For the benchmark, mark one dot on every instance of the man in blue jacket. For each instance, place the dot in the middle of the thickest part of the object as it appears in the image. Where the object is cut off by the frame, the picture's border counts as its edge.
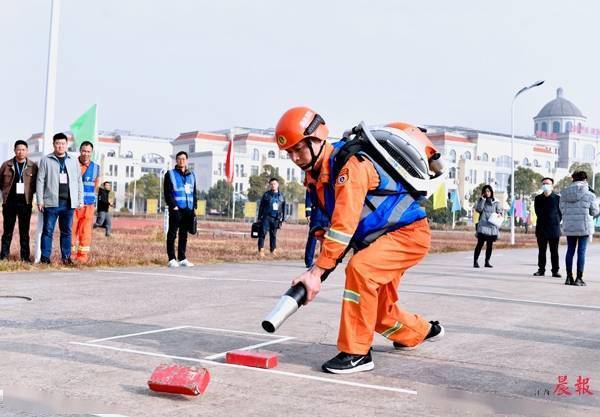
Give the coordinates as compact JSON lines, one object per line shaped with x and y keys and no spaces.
{"x":271,"y":213}
{"x":180,"y":194}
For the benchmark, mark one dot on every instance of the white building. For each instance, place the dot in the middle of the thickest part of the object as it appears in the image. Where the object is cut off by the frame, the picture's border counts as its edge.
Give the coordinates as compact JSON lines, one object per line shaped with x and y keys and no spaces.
{"x":124,"y":157}
{"x":252,"y":149}
{"x":561,"y":138}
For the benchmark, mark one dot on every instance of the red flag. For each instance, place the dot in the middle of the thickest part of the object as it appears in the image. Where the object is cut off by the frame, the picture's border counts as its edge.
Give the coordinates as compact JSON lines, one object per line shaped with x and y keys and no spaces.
{"x":229,"y":162}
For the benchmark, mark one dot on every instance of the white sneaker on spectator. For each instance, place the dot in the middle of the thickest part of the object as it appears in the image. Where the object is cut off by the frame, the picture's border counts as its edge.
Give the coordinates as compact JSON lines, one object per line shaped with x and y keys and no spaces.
{"x":185,"y":262}
{"x":173,"y":263}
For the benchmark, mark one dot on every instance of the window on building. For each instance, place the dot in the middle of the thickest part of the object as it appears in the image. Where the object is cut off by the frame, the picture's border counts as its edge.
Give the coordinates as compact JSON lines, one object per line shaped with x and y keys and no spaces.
{"x":271,"y":154}
{"x":126,"y":187}
{"x":254,"y":170}
{"x":111,"y":153}
{"x":526,"y":162}
{"x":242,"y":170}
{"x":555,"y":127}
{"x":192,"y":147}
{"x":288,"y":175}
{"x":452,"y":173}
{"x":237,"y":170}
{"x":536,"y":163}
{"x":588,"y":153}
{"x":127,"y":171}
{"x":544,"y":127}
{"x":485,"y":157}
{"x":568,"y":127}
{"x":255,"y":154}
{"x":548,"y":165}
{"x":452,"y":155}
{"x":220,"y":168}
{"x":129,"y":154}
{"x":537,"y":127}
{"x":467,"y":155}
{"x":114,"y":187}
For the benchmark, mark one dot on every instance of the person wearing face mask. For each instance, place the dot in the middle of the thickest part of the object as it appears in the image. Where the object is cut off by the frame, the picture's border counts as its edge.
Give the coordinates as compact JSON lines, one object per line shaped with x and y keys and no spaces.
{"x":547,"y":228}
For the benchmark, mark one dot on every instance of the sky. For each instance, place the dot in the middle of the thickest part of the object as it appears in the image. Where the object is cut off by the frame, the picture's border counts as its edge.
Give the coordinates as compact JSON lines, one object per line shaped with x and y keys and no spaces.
{"x":165,"y":67}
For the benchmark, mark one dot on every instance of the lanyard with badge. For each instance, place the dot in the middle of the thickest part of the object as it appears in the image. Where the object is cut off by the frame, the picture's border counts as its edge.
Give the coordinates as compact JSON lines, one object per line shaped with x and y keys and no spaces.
{"x":62,"y":176}
{"x":20,"y":184}
{"x":187,"y":187}
{"x":276,"y":202}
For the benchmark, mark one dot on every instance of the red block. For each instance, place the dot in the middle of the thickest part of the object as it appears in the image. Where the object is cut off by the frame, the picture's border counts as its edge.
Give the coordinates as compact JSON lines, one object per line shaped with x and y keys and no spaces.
{"x":178,"y":379}
{"x":256,"y":359}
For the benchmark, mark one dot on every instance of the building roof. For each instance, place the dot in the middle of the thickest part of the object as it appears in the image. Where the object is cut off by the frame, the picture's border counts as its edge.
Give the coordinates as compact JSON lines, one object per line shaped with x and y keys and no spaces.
{"x":559,"y":107}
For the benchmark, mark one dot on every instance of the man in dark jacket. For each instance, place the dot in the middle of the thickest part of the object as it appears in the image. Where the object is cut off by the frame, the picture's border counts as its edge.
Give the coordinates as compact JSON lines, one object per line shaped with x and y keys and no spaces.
{"x":18,"y":178}
{"x":547,"y":229}
{"x":180,"y":195}
{"x":104,"y":217}
{"x":270,"y":213}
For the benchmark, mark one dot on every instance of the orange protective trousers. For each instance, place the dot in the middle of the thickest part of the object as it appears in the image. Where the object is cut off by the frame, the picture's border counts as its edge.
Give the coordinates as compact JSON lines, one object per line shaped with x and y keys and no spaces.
{"x":83,"y":221}
{"x":371,"y":291}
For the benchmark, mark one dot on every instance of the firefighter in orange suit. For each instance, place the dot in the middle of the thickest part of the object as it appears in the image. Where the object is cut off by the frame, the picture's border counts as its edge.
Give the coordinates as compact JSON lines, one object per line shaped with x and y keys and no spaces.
{"x":83,"y":218}
{"x":378,"y":218}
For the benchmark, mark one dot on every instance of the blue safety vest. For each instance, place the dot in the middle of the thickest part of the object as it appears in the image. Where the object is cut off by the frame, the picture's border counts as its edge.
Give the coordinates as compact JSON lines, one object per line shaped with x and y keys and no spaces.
{"x":387,"y":208}
{"x":179,"y":181}
{"x":89,"y":182}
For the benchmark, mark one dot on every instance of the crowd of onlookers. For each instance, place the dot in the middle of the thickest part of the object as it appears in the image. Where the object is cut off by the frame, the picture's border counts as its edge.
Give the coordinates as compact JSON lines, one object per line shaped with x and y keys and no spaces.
{"x":571,"y":213}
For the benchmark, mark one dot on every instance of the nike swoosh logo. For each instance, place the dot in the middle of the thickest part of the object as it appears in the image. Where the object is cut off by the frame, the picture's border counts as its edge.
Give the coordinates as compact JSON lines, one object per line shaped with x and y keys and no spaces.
{"x":353,"y":363}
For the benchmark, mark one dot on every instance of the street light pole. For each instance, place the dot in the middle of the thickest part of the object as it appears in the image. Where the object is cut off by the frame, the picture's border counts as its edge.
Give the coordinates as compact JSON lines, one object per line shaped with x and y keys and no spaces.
{"x":512,"y":157}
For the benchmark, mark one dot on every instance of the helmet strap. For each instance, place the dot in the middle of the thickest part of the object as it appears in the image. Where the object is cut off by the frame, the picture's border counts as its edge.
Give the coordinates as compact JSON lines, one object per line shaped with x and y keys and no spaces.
{"x":313,"y":157}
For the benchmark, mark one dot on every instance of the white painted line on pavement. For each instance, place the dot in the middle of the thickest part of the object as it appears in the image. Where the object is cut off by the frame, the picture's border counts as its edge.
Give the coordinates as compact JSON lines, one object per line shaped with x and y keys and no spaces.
{"x":271,"y":371}
{"x":110,"y":415}
{"x":514,"y":300}
{"x":258,"y":345}
{"x":214,"y":329}
{"x":138,"y":334}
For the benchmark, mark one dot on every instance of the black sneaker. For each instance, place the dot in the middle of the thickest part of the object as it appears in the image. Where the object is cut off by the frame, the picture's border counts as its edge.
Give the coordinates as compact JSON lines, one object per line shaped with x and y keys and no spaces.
{"x":556,"y":275}
{"x":345,"y":363}
{"x":539,"y":273}
{"x":488,"y":265}
{"x":68,"y":262}
{"x":44,"y":260}
{"x":436,"y":332}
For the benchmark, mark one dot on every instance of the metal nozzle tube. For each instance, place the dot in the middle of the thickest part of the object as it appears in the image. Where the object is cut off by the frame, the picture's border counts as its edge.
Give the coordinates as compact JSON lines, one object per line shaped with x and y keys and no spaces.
{"x":288,"y":304}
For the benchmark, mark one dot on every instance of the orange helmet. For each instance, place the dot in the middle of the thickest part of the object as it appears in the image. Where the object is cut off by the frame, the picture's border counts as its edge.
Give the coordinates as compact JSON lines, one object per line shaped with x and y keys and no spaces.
{"x":297,"y":124}
{"x":417,"y":134}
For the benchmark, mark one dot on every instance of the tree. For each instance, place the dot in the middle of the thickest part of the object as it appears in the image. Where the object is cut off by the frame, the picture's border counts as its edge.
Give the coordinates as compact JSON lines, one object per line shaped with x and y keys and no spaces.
{"x":294,"y":192}
{"x":147,"y":187}
{"x":527,"y":183}
{"x":476,"y":193}
{"x":258,"y":183}
{"x":219,"y":197}
{"x":576,"y":166}
{"x":562,"y":184}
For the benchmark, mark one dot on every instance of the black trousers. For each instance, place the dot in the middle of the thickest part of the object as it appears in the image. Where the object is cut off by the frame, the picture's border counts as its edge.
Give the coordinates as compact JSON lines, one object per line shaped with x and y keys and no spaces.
{"x":270,"y":225}
{"x":489,"y":241}
{"x":12,"y":211}
{"x":543,"y":243}
{"x":179,"y":220}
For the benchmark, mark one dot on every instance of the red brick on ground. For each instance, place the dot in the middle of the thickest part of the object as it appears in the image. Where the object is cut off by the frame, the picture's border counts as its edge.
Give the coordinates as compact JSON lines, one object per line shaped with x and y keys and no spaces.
{"x":256,"y":359}
{"x":179,"y":379}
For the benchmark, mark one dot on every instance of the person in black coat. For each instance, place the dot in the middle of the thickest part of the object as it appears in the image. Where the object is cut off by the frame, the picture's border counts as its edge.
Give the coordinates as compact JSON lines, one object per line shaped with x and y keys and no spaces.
{"x":547,"y":229}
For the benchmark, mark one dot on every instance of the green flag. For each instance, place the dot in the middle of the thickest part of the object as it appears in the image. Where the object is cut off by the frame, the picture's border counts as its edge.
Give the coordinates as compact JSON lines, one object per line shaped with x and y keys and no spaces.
{"x":84,"y":128}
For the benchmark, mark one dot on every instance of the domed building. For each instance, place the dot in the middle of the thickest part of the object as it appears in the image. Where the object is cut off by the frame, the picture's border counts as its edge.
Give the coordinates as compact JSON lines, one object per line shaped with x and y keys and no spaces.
{"x":562,"y":121}
{"x":558,"y":116}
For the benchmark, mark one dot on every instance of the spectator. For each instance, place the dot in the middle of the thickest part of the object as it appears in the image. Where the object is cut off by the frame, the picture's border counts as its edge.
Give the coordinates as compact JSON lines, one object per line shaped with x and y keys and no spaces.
{"x":486,"y":231}
{"x":180,"y":195}
{"x":547,"y":228}
{"x":18,"y":177}
{"x":104,"y":216}
{"x":577,"y":203}
{"x":83,"y":219}
{"x":271,"y":213}
{"x":59,"y":192}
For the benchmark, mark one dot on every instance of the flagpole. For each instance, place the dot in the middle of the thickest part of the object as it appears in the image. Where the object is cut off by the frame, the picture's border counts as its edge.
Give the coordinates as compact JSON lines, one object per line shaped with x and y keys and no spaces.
{"x":232,"y":176}
{"x":453,"y":215}
{"x":49,"y":105}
